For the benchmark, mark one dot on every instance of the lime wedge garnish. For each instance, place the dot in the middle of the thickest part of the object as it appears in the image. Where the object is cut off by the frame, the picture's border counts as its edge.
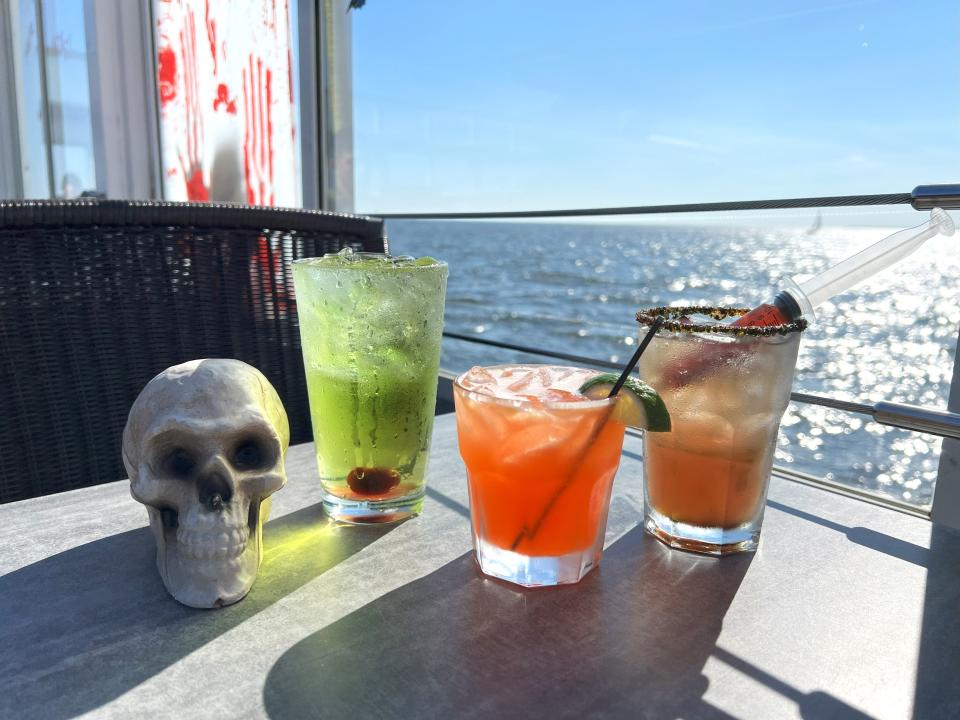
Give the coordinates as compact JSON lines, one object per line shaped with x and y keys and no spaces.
{"x":638,"y":404}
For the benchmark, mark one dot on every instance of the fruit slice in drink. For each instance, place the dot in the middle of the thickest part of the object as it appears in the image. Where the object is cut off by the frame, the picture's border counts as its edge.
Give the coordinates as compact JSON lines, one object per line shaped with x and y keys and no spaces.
{"x":638,"y":405}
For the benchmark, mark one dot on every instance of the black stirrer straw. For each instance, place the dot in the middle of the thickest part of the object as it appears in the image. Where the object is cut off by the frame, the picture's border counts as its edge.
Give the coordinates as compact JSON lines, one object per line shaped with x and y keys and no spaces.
{"x":530,"y":532}
{"x":636,"y":356}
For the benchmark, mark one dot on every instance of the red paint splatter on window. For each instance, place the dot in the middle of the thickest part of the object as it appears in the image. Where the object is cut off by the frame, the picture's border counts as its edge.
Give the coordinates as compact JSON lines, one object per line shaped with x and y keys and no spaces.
{"x":167,"y":74}
{"x":270,"y":130}
{"x":286,"y":11}
{"x":211,"y":34}
{"x":258,"y":132}
{"x":195,"y":87}
{"x":223,"y":98}
{"x":290,"y":73}
{"x":197,"y":190}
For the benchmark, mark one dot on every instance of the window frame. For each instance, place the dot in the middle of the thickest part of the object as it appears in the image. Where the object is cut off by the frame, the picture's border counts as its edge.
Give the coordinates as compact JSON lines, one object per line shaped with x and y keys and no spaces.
{"x":123,"y":98}
{"x":11,"y":180}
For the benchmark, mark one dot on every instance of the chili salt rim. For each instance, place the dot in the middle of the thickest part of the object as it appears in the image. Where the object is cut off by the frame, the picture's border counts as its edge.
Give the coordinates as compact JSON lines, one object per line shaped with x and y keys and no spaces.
{"x":647,"y":317}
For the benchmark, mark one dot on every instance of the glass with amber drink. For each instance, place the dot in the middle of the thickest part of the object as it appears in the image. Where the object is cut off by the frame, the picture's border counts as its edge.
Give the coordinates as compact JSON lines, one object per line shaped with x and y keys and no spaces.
{"x":727,"y":387}
{"x":540,"y":458}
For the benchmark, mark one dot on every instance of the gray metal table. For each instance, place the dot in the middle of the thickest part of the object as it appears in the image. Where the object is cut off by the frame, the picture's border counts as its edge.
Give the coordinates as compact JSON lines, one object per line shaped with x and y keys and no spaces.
{"x":847,"y":610}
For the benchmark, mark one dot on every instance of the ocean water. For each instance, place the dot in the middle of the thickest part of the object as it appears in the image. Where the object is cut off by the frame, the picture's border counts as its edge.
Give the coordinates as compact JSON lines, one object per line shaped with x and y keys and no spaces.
{"x":576,"y":287}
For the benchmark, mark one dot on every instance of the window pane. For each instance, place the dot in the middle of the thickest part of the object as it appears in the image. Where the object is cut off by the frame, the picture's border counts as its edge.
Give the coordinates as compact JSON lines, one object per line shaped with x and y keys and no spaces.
{"x":68,"y":98}
{"x":33,"y":146}
{"x":227,"y":107}
{"x":499,"y":105}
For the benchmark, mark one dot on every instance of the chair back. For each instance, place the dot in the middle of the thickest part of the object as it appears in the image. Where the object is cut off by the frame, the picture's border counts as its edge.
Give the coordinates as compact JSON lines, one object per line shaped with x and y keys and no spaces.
{"x":97,"y":297}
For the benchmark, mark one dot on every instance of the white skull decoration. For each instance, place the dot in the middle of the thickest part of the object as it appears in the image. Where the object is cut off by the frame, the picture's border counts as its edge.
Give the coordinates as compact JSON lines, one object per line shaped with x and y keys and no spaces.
{"x":204,"y":447}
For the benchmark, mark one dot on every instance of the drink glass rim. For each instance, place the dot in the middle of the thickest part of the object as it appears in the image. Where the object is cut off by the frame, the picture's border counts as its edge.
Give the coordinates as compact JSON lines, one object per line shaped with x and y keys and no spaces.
{"x":407,"y":260}
{"x":479,"y":395}
{"x":671,"y":322}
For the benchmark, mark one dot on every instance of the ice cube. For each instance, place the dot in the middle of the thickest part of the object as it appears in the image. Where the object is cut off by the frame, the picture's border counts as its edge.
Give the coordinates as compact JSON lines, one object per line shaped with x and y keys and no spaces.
{"x":523,"y":382}
{"x":564,"y":374}
{"x":537,"y":437}
{"x":753,"y":433}
{"x":482,"y":419}
{"x":546,"y":377}
{"x":559,"y":395}
{"x":396,"y":365}
{"x":478,"y":378}
{"x":725,"y":392}
{"x":745,"y":388}
{"x":701,"y":432}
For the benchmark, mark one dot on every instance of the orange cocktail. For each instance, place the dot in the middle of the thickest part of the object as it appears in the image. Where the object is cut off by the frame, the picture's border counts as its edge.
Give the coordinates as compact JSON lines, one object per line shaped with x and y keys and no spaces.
{"x":540,"y":461}
{"x":727,"y":386}
{"x":691,"y":484}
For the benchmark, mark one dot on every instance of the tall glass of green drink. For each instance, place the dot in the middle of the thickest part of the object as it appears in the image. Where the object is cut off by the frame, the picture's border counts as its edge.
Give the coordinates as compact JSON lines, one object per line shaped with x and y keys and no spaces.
{"x":370,"y":328}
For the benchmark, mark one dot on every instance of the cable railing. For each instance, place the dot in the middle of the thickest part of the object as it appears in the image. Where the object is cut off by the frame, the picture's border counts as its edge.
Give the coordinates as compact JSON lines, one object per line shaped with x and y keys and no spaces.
{"x":944,"y":424}
{"x":922,"y":197}
{"x":897,"y":415}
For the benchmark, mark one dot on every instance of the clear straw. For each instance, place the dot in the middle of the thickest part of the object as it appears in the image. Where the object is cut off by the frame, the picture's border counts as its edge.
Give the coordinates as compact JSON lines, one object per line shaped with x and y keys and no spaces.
{"x":879,"y":256}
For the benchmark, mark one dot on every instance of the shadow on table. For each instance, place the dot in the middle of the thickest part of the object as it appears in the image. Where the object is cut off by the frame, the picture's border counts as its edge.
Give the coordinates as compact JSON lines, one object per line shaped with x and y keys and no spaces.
{"x":866,"y":537}
{"x":937,"y":694}
{"x":630,"y":640}
{"x":83,"y":627}
{"x":816,"y":705}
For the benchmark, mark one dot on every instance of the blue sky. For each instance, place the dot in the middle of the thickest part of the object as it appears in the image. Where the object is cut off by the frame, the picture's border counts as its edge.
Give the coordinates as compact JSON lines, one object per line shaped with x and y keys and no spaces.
{"x":498,"y":105}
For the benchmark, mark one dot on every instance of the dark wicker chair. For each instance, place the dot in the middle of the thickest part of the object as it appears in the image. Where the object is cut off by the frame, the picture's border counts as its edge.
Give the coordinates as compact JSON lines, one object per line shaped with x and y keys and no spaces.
{"x":97,"y":297}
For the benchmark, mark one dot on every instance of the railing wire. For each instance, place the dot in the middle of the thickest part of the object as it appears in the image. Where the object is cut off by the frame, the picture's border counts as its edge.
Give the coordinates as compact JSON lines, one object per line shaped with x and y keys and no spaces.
{"x":905,"y":417}
{"x":846,"y":405}
{"x":778,"y":204}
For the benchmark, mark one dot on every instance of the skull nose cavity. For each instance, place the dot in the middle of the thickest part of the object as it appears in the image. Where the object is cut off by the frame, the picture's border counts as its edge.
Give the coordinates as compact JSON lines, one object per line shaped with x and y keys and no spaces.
{"x":214,"y":490}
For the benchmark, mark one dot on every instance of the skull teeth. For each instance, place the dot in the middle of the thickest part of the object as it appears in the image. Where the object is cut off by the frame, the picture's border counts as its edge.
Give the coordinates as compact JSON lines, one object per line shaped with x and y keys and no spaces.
{"x":223,"y":544}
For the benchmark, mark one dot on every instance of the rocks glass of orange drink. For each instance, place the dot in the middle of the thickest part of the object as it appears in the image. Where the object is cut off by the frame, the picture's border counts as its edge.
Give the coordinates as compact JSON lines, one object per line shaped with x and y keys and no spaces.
{"x":705,"y":482}
{"x":540,"y":460}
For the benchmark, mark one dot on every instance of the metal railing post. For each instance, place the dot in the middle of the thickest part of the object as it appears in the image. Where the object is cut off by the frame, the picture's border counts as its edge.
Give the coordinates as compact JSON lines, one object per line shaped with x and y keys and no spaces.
{"x":946,"y":493}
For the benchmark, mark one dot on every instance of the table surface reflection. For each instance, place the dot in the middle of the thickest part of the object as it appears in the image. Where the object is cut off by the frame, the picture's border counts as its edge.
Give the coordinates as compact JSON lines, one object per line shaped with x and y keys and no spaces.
{"x":847,"y":610}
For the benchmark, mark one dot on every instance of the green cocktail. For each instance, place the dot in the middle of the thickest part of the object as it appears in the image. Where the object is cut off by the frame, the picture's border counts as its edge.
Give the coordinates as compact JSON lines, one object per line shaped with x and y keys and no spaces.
{"x":370,"y":328}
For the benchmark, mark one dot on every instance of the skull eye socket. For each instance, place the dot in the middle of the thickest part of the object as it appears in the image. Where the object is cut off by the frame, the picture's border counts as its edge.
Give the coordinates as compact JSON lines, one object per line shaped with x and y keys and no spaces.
{"x":250,"y":454}
{"x":179,"y":463}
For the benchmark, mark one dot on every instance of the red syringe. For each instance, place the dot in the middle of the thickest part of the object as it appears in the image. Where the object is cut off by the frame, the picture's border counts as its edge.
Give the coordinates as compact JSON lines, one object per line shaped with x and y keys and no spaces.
{"x":799,"y":299}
